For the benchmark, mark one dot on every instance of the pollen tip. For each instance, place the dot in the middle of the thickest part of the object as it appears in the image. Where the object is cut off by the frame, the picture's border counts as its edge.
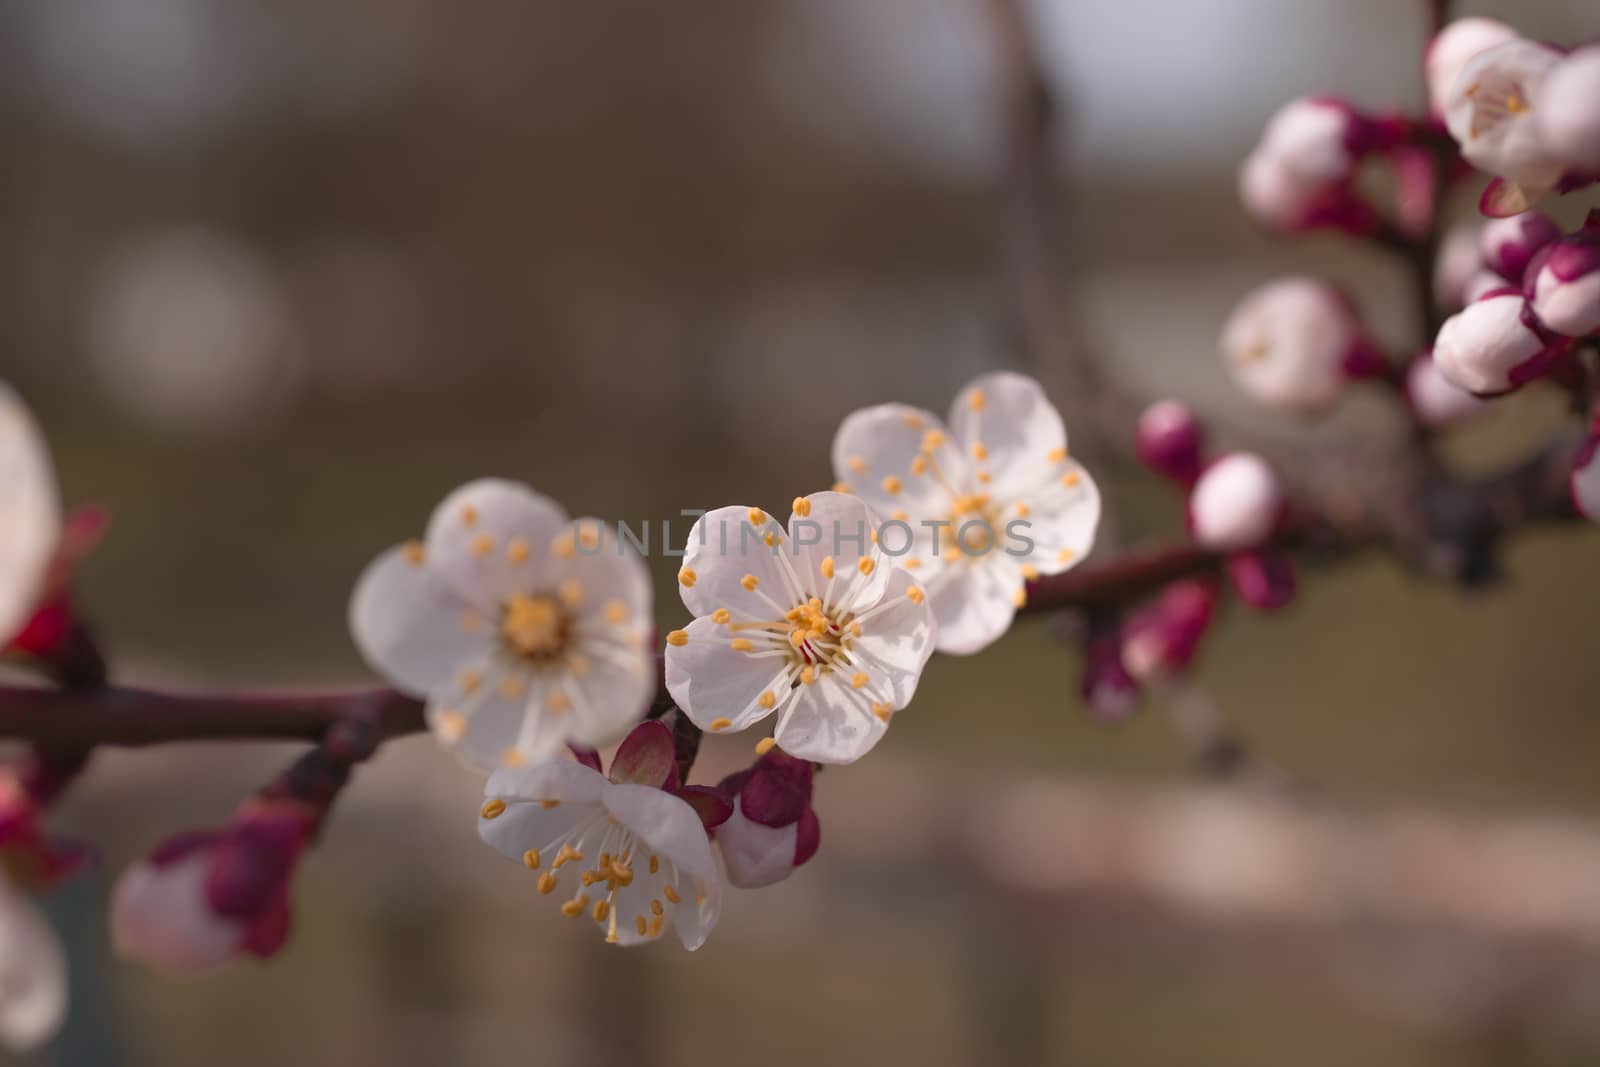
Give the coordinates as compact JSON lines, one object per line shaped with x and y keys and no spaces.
{"x":802,"y":505}
{"x":687,"y":577}
{"x":492,"y":808}
{"x":720,"y":724}
{"x":678,"y":638}
{"x":765,"y":745}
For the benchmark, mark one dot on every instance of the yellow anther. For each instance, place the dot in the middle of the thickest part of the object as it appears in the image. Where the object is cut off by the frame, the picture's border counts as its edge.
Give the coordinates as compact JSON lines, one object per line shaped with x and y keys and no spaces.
{"x":756,"y":516}
{"x":913,"y":420}
{"x":558,"y":702}
{"x":1020,"y":597}
{"x":892,"y":485}
{"x":565,"y":546}
{"x":1030,"y":572}
{"x":589,"y":538}
{"x":671,"y":894}
{"x":482,"y":545}
{"x":720,"y":724}
{"x":656,"y":907}
{"x":802,"y":506}
{"x":827,"y":567}
{"x":980,"y":451}
{"x":571,"y":592}
{"x":741,"y":644}
{"x":899,"y":516}
{"x":770,"y":539}
{"x":589,"y":878}
{"x":512,"y":757}
{"x":492,"y":808}
{"x":576,"y":906}
{"x":622,"y":875}
{"x":919,"y":465}
{"x":678,"y":638}
{"x":841,"y":487}
{"x":616,"y":612}
{"x":602,"y":909}
{"x":414,"y":553}
{"x":750,"y":582}
{"x":808,"y":676}
{"x":452,"y":724}
{"x":547,"y":883}
{"x":933,"y":440}
{"x":469,"y":515}
{"x":1515,"y":104}
{"x":984,"y":477}
{"x":797,"y":637}
{"x":548,"y":804}
{"x":765,"y":745}
{"x":638,"y":921}
{"x":859,"y":679}
{"x":1057,"y":455}
{"x":469,"y":680}
{"x":721,"y":616}
{"x":854,"y":628}
{"x":533,"y":625}
{"x":578,"y":664}
{"x":1065,"y":555}
{"x":951,"y":554}
{"x":567,"y":854}
{"x":687,"y":577}
{"x":530,"y":859}
{"x":517,"y":550}
{"x":857,"y":464}
{"x":882,"y":711}
{"x":912,"y":564}
{"x":916,"y":595}
{"x":976,"y":400}
{"x":1072,"y":479}
{"x":655,"y":863}
{"x":767,"y":700}
{"x":656,"y":926}
{"x":1023,"y":510}
{"x":512,"y":686}
{"x":865,"y":565}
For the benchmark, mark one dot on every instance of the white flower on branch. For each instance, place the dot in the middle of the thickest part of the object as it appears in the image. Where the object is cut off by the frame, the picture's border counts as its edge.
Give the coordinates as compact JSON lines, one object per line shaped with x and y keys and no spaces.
{"x":1489,"y":347}
{"x":1563,"y":284}
{"x":1292,"y":345}
{"x":1450,"y":50}
{"x":814,"y":623}
{"x":1491,"y":110}
{"x":1236,"y":504}
{"x":523,"y":631}
{"x":30,"y":518}
{"x":1569,"y":119}
{"x":971,"y":491}
{"x":625,"y":853}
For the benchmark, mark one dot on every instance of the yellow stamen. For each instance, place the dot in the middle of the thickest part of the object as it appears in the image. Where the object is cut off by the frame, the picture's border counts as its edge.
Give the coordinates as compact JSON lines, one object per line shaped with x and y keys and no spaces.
{"x":1057,"y":455}
{"x":576,"y":906}
{"x":741,"y":644}
{"x":891,"y":485}
{"x":802,"y":506}
{"x":511,"y":686}
{"x":602,"y":908}
{"x":756,"y":516}
{"x":765,"y":745}
{"x":671,"y":894}
{"x":857,"y":464}
{"x":1030,"y":572}
{"x":687,"y":577}
{"x":547,"y":883}
{"x":638,"y":921}
{"x":721,"y":615}
{"x":827,"y":567}
{"x":916,"y":595}
{"x":838,"y":487}
{"x":452,"y":724}
{"x":1065,"y":555}
{"x":530,"y":859}
{"x":571,"y":592}
{"x":558,"y":702}
{"x":976,"y":400}
{"x":865,"y":565}
{"x":1020,"y":597}
{"x":882,"y":711}
{"x":469,"y":515}
{"x":1071,"y":480}
{"x":980,"y":451}
{"x":616,"y":612}
{"x":919,"y":465}
{"x":858,"y":680}
{"x":512,"y":757}
{"x":721,"y":724}
{"x":932,"y":441}
{"x":655,"y":864}
{"x":492,"y":808}
{"x":808,"y":676}
{"x":482,"y":545}
{"x":678,"y":638}
{"x":517,"y":550}
{"x":912,"y":420}
{"x":656,"y":907}
{"x":414,"y":553}
{"x":548,"y":804}
{"x":750,"y":582}
{"x":767,"y":700}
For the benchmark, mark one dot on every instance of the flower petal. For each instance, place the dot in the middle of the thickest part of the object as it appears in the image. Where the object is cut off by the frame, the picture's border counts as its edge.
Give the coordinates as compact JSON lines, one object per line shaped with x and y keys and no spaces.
{"x":1061,"y":522}
{"x":828,"y":722}
{"x":670,"y":827}
{"x":612,"y":593}
{"x":711,"y":681}
{"x":725,"y":547}
{"x":756,"y":856}
{"x":526,"y":822}
{"x":30,"y":516}
{"x":974,"y":602}
{"x":839,"y":526}
{"x":1019,"y":429}
{"x":408,"y":627}
{"x":611,"y":692}
{"x":490,"y":540}
{"x":897,"y":640}
{"x":159,"y":915}
{"x":33,"y":974}
{"x":496,"y":713}
{"x":875,"y":453}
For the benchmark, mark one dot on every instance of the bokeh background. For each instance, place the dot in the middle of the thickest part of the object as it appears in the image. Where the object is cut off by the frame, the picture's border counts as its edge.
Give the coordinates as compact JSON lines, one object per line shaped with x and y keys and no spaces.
{"x":278,"y":275}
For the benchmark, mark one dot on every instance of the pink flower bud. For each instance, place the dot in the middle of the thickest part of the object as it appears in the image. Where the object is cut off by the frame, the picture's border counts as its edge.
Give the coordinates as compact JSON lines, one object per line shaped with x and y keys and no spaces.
{"x":1458,"y":264}
{"x":1264,"y":580}
{"x":1585,"y":483}
{"x":1450,"y":50}
{"x":1290,"y":343}
{"x":1168,"y":439}
{"x":773,"y":828}
{"x":1109,"y":691}
{"x":1434,"y":400}
{"x":1563,"y":284}
{"x":1318,"y":140}
{"x":1490,"y":112}
{"x":1482,"y":284}
{"x":1162,"y":638}
{"x":202,"y":899}
{"x":1489,"y":348}
{"x":1507,"y":245}
{"x":1569,"y":114}
{"x":1279,"y":199}
{"x":1236,"y":504}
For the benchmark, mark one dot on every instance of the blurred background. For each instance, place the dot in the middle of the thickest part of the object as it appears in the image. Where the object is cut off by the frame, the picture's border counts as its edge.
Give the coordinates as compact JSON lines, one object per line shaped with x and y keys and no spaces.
{"x":278,"y":275}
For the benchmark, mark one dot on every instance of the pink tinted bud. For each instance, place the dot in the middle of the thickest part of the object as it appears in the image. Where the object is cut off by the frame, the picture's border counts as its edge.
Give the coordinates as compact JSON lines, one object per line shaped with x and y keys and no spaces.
{"x":1290,"y":343}
{"x":1110,"y":692}
{"x":1563,"y":284}
{"x":1491,"y":110}
{"x":1482,"y":284}
{"x":1449,"y":51}
{"x":1569,"y":114}
{"x":1168,"y":439}
{"x":772,"y":828}
{"x":1236,"y":504}
{"x":1585,"y":483}
{"x":201,"y":900}
{"x":1317,"y":140}
{"x":1507,"y":245}
{"x":1264,"y":580}
{"x":1488,"y":347}
{"x":1458,"y":263}
{"x":1279,"y":199}
{"x":1434,"y":400}
{"x":1163,"y":637}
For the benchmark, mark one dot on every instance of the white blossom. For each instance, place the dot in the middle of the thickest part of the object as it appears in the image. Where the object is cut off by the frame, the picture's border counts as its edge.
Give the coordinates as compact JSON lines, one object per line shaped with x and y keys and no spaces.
{"x":1569,"y":115}
{"x":1457,"y":43}
{"x":1236,"y":503}
{"x":1287,"y":343}
{"x":1490,"y":112}
{"x":30,"y":514}
{"x":1487,"y":347}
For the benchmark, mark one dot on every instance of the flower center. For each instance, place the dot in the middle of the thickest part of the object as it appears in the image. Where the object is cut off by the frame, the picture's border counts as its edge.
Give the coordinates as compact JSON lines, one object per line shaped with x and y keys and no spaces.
{"x":817,"y":635}
{"x":973,"y":518}
{"x":536,"y":627}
